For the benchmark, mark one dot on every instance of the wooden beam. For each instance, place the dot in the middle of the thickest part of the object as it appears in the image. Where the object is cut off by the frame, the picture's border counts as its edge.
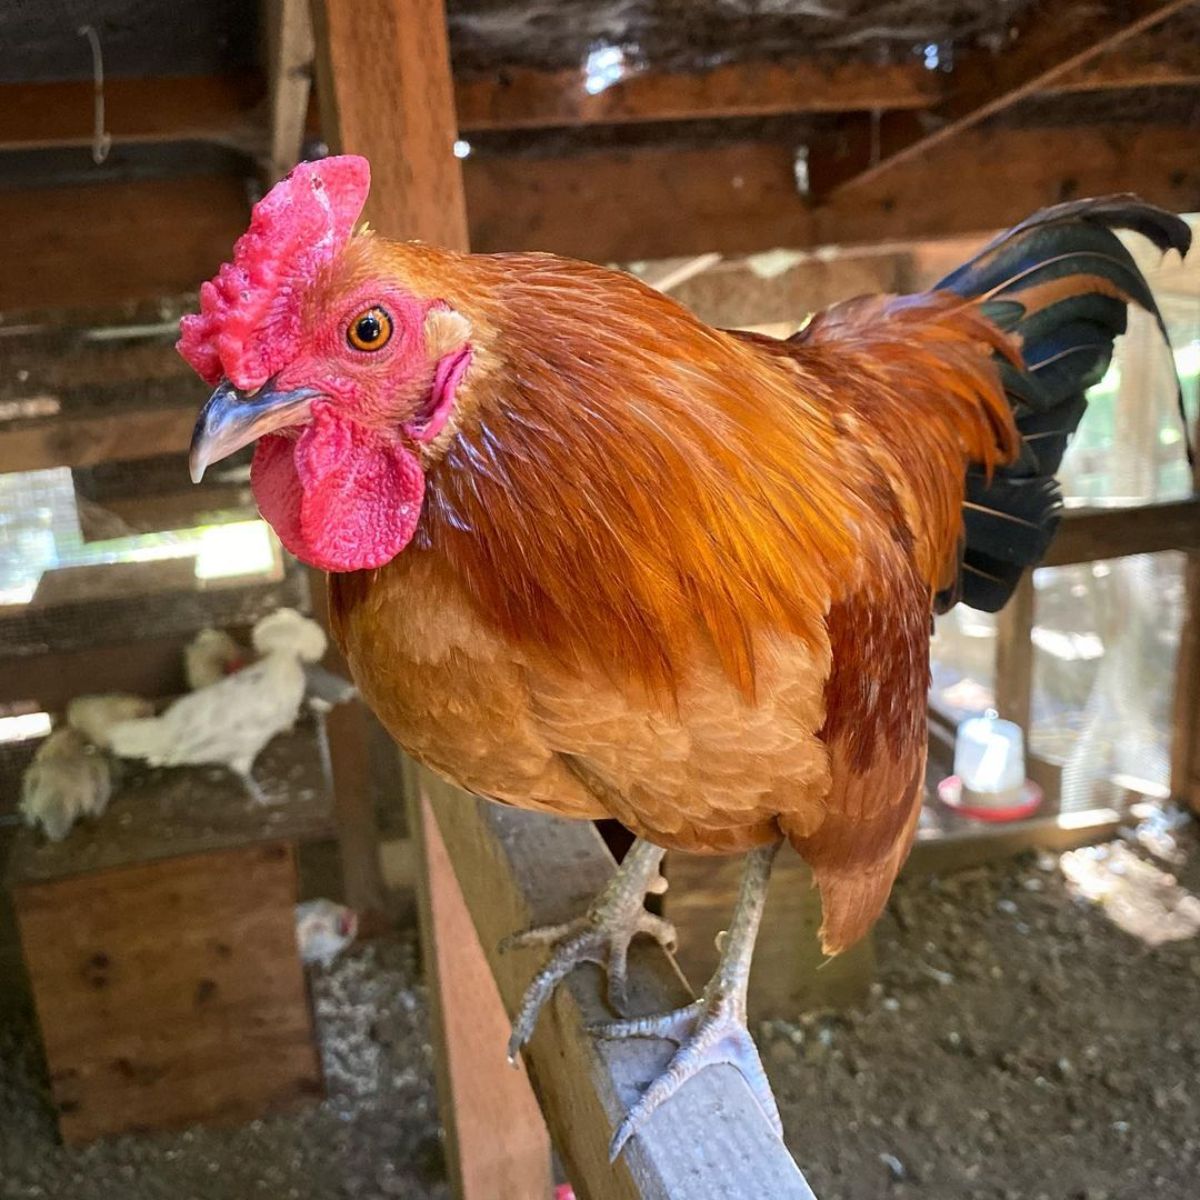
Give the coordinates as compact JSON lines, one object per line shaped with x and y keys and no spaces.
{"x":498,"y":1146}
{"x":208,"y":108}
{"x":79,"y":440}
{"x":290,"y":51}
{"x":735,"y":199}
{"x":710,"y":1140}
{"x":1053,"y":47}
{"x":111,"y":242}
{"x":228,"y":110}
{"x":529,"y":99}
{"x":401,"y":68}
{"x":70,"y":247}
{"x":1086,"y":535}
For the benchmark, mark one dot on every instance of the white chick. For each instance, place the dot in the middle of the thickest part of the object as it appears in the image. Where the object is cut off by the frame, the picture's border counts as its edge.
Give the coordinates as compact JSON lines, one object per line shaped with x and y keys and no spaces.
{"x":67,"y":779}
{"x":323,"y":930}
{"x":94,"y":716}
{"x":229,"y":722}
{"x":210,"y":656}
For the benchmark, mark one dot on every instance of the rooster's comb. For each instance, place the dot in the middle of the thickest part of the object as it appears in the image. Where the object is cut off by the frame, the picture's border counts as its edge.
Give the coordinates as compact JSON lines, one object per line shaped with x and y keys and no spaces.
{"x":248,"y":324}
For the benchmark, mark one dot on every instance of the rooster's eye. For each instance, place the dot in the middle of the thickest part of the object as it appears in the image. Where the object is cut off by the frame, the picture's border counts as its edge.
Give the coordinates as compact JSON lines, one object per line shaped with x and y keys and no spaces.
{"x":370,"y":330}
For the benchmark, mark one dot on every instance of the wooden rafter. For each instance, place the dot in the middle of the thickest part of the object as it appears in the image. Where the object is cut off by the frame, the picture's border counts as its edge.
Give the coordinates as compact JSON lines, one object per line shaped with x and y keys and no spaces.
{"x":72,"y":247}
{"x":1049,"y":51}
{"x":740,"y":199}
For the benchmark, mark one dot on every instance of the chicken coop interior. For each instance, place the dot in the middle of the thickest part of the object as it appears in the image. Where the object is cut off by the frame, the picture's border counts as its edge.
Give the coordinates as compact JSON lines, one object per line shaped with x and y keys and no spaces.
{"x":249,"y":948}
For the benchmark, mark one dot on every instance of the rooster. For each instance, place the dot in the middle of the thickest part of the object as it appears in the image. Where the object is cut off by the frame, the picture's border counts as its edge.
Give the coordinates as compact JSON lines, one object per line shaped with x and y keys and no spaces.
{"x":591,"y":557}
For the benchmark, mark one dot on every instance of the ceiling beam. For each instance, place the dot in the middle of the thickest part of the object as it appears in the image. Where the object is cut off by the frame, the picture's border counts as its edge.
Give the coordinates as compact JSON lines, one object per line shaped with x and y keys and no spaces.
{"x":1055,"y":45}
{"x":225,"y":109}
{"x":529,"y":99}
{"x":105,"y":244}
{"x":740,"y":199}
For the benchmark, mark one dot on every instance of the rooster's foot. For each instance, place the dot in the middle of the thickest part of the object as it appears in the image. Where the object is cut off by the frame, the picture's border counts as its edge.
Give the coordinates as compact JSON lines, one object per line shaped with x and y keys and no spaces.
{"x":602,"y":936}
{"x":710,"y":1030}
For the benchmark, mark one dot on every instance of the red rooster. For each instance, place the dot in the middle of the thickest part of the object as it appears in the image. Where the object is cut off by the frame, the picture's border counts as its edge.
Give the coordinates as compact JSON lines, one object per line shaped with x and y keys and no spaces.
{"x":592,"y":557}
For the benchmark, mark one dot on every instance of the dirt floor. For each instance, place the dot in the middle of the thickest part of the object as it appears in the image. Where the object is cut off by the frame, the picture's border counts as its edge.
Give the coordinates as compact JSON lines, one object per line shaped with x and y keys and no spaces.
{"x":1023,"y":1041}
{"x":1019,"y":1043}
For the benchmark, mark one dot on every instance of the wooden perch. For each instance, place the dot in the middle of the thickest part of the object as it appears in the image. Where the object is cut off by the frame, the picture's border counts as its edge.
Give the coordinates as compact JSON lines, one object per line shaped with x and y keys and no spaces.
{"x":710,"y":1140}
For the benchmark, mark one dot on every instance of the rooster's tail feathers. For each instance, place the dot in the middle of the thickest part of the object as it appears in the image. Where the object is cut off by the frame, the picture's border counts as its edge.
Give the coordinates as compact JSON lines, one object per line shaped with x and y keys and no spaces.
{"x":1061,"y":282}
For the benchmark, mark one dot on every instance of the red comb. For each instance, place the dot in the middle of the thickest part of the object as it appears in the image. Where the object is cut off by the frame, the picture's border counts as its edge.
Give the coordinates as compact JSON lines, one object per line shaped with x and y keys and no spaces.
{"x":248,"y":324}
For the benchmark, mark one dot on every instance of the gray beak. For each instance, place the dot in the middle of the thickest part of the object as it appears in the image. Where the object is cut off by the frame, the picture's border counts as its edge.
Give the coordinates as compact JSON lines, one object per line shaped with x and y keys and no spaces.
{"x":231,"y":419}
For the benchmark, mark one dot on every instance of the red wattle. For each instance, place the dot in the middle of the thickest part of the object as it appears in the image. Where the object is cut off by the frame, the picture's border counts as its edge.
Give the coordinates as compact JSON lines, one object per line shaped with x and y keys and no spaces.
{"x":340,"y":497}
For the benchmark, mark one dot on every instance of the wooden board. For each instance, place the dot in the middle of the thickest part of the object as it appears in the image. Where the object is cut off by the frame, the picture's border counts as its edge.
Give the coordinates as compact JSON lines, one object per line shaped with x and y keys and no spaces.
{"x":80,"y":623}
{"x":171,"y":993}
{"x":743,"y":198}
{"x":516,"y":869}
{"x":790,"y":973}
{"x":110,"y":242}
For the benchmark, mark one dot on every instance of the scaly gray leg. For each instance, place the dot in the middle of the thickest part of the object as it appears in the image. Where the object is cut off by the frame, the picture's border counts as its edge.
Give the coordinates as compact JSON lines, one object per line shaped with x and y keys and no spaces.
{"x":601,"y":936}
{"x":711,"y":1029}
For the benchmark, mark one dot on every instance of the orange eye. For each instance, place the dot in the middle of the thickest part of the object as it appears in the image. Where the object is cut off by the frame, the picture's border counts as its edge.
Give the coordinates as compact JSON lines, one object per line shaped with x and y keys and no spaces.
{"x":370,"y":330}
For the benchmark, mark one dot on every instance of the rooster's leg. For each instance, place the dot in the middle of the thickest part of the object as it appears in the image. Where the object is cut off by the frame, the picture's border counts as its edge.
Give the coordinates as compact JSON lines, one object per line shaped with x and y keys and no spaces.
{"x":601,"y":936}
{"x":712,"y":1029}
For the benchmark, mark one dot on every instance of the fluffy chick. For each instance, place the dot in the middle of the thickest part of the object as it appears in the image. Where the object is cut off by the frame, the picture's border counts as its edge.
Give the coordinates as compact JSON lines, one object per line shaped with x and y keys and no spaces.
{"x":94,"y":716}
{"x":210,"y":656}
{"x":67,"y":780}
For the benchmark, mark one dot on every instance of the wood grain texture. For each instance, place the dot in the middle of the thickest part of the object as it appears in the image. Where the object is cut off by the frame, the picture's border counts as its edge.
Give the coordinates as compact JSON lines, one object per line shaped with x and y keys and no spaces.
{"x":385,"y":92}
{"x":110,"y":242}
{"x":711,"y":1140}
{"x":498,"y":1145}
{"x":1051,"y":47}
{"x":207,"y":108}
{"x":290,"y":51}
{"x":743,"y":198}
{"x":1088,"y":534}
{"x":171,"y":993}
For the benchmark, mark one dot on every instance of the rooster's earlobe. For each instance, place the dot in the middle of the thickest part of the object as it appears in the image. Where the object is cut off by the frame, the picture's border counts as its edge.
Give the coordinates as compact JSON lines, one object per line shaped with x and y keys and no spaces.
{"x":445,"y":331}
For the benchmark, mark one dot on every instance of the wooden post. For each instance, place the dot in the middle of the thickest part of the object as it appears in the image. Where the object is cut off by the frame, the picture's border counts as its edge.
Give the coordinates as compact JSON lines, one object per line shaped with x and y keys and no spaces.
{"x":385,"y":90}
{"x":1014,"y":655}
{"x":1185,"y":725}
{"x":347,"y":728}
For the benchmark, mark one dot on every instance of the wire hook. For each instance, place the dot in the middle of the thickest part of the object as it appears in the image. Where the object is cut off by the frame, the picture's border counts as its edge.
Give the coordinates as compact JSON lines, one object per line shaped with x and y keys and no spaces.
{"x":101,"y":140}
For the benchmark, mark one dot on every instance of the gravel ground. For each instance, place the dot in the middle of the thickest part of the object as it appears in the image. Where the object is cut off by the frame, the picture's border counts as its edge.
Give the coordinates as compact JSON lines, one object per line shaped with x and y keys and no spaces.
{"x":1023,"y":1042}
{"x":1018,"y":1044}
{"x":375,"y":1137}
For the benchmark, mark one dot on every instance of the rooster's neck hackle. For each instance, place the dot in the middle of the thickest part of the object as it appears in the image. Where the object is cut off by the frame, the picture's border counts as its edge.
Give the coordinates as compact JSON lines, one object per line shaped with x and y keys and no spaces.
{"x":620,"y":467}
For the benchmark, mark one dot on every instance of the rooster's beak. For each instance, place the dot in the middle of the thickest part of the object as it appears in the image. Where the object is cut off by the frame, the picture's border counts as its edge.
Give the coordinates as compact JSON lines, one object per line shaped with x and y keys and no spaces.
{"x":232,"y":419}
